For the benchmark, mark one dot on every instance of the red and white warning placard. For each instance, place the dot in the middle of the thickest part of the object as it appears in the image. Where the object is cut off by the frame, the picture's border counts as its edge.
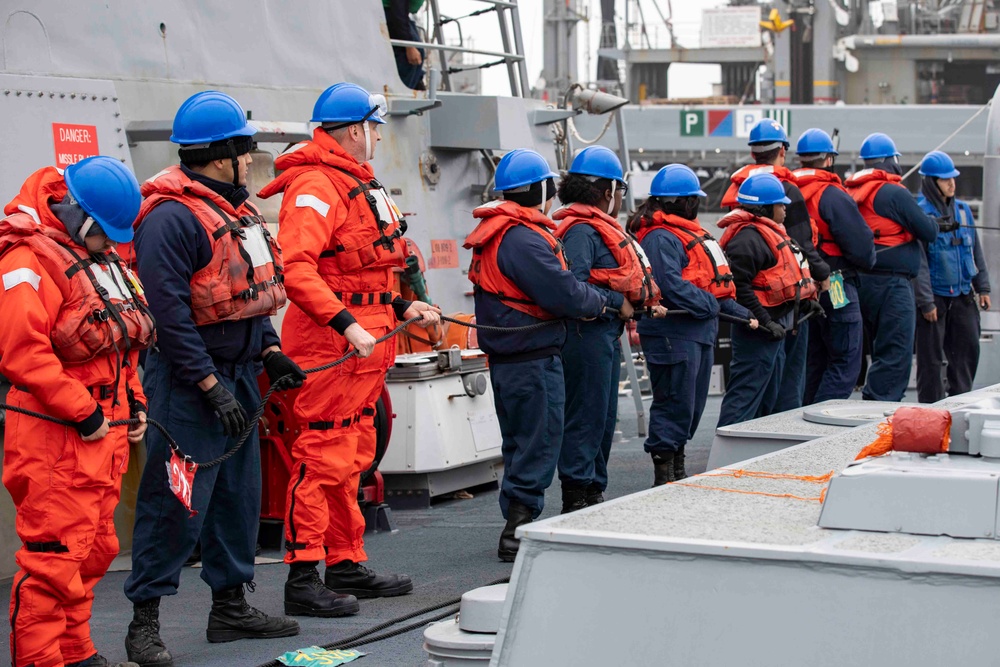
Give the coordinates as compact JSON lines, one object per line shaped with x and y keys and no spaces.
{"x":444,"y":254}
{"x":73,"y":143}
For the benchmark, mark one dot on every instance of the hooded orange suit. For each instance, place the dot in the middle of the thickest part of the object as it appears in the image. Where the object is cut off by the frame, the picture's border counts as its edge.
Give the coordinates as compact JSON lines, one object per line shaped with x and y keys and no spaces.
{"x":341,"y":240}
{"x":65,"y":490}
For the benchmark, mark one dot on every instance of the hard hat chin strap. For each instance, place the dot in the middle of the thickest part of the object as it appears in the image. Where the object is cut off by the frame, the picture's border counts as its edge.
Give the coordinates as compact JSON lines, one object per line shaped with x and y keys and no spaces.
{"x":544,"y":192}
{"x":611,"y":204}
{"x":234,"y":157}
{"x":368,"y":141}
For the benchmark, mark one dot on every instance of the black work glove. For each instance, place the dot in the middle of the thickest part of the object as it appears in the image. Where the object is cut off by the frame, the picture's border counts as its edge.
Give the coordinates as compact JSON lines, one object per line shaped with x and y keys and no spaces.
{"x":278,"y":365}
{"x":947,"y":224}
{"x":227,"y":409}
{"x":775,"y":330}
{"x":810,"y":307}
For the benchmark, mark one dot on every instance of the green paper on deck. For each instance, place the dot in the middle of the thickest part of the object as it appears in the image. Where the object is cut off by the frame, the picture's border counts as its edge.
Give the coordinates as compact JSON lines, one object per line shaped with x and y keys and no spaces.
{"x":838,"y":299}
{"x":314,"y":655}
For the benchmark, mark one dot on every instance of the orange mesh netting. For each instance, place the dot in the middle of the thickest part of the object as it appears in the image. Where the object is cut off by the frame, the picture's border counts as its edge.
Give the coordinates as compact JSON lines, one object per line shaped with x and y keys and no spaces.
{"x":911,"y":429}
{"x":755,"y":474}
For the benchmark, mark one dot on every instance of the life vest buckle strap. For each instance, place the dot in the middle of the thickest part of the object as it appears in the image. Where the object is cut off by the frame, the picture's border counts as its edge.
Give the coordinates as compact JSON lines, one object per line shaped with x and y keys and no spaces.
{"x":365,"y":298}
{"x":330,"y":425}
{"x":46,"y":547}
{"x":332,"y":252}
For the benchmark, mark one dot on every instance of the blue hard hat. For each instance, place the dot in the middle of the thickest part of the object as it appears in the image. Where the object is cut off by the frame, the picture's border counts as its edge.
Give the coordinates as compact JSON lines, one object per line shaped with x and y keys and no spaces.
{"x":521,"y":167}
{"x":675,"y":180}
{"x":349,"y":103}
{"x":210,"y":116}
{"x":878,"y":145}
{"x":768,"y":131}
{"x":598,"y":161}
{"x":937,"y":164}
{"x":108,"y":192}
{"x":761,"y":190}
{"x":813,"y":141}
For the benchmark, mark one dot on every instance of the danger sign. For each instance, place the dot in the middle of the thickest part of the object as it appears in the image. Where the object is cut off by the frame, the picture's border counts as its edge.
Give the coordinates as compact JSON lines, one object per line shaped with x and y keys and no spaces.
{"x":73,"y":143}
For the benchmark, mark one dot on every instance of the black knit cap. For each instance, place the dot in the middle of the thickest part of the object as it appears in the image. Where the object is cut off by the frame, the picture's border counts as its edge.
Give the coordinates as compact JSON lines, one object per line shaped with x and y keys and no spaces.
{"x":217,"y":150}
{"x":532,"y":194}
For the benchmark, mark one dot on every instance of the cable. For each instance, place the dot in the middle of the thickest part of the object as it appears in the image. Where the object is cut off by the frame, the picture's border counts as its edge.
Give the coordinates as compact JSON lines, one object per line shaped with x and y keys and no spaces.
{"x":951,"y":136}
{"x":365,"y":637}
{"x":250,"y":426}
{"x":263,"y":401}
{"x":588,"y":142}
{"x":487,"y":327}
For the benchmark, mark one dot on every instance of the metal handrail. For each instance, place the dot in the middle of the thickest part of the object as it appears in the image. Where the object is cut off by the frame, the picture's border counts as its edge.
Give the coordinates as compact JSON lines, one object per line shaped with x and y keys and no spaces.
{"x":499,"y":3}
{"x":461,"y":49}
{"x":510,"y":34}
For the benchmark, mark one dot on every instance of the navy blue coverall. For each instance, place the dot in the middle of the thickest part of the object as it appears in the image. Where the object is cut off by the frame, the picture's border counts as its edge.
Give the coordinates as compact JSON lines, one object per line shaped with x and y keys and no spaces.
{"x":836,"y":341}
{"x":791,"y":388}
{"x":591,"y":367}
{"x":679,"y":350}
{"x":526,"y":368}
{"x":171,"y":245}
{"x":758,"y":363}
{"x":887,"y":303}
{"x":953,"y":271}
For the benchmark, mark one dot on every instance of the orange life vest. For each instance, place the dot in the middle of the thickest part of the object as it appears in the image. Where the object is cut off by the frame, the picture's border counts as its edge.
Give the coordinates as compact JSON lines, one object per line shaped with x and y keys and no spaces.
{"x":377,"y":240}
{"x":244,"y":278}
{"x":863,"y":186}
{"x":813,"y":183}
{"x":707,"y":266}
{"x":743,"y":173}
{"x":103,"y":309}
{"x":789,"y":279}
{"x":496,"y":219}
{"x":367,"y":246}
{"x":633,"y":277}
{"x":783,"y":174}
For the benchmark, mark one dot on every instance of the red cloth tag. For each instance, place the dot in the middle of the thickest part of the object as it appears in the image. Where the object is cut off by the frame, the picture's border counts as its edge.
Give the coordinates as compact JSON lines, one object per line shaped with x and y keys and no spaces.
{"x":180,"y":473}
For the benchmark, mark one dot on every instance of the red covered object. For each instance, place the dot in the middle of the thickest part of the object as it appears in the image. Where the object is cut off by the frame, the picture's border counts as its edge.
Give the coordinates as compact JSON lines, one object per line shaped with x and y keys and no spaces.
{"x":278,"y":429}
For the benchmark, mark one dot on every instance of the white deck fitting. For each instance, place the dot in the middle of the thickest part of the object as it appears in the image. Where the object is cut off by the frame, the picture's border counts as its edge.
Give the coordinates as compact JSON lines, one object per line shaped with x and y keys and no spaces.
{"x":692,"y":576}
{"x":749,"y":439}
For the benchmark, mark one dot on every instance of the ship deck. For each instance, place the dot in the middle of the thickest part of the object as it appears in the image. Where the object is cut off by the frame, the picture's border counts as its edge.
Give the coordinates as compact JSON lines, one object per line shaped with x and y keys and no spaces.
{"x":730,"y":567}
{"x":447,"y":549}
{"x":769,"y":507}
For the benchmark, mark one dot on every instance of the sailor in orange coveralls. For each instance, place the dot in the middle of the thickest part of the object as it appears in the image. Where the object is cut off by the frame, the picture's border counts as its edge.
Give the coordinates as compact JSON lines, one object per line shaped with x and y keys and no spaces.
{"x":71,"y":353}
{"x":341,"y":235}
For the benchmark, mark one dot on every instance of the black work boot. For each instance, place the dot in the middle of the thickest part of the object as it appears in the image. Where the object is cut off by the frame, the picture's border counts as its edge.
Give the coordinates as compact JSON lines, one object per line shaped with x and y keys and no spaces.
{"x":357,"y":580}
{"x":232,"y":618}
{"x":663,"y":469}
{"x":307,"y":595}
{"x":143,"y":643}
{"x":517,"y":515}
{"x":98,"y":660}
{"x":679,"y":471}
{"x":595,"y":495}
{"x":573,"y":499}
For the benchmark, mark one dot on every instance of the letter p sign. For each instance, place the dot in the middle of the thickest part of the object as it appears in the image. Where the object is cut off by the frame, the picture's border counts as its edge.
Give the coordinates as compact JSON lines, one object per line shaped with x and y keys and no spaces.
{"x":692,"y":123}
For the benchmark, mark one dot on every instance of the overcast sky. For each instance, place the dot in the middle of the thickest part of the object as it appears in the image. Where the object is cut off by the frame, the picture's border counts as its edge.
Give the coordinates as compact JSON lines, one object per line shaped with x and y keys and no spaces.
{"x":685,"y":80}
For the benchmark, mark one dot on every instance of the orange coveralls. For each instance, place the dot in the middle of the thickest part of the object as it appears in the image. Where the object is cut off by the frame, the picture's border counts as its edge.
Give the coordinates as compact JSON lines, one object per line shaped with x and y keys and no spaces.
{"x":332,"y":265}
{"x":65,"y":490}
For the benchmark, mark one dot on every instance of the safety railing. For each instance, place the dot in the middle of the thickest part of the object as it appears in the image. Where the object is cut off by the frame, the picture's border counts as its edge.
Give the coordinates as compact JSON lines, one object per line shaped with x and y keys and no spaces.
{"x":512,"y":56}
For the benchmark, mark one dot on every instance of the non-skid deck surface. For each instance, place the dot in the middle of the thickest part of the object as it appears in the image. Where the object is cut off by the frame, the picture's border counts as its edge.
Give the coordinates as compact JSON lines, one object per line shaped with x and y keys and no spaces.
{"x":772,"y":512}
{"x":447,"y":550}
